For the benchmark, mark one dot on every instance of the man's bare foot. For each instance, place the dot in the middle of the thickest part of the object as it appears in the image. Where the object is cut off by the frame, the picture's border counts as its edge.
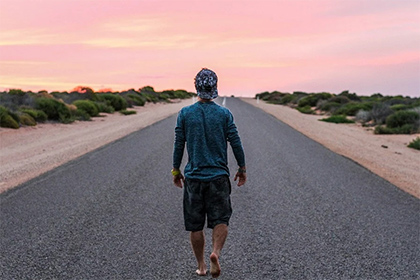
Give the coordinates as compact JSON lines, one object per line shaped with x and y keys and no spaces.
{"x":214,"y":265}
{"x":201,"y":272}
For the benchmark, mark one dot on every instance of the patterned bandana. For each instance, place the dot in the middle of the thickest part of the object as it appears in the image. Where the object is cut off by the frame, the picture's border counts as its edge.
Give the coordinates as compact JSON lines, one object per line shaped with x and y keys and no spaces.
{"x":206,"y":84}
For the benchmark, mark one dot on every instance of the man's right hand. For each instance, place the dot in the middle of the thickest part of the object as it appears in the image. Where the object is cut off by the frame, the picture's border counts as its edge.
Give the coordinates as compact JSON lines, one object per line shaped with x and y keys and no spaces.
{"x":241,"y":176}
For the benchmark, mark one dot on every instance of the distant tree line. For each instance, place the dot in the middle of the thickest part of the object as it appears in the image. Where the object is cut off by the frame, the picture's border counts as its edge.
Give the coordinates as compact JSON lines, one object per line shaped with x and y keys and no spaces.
{"x":26,"y":108}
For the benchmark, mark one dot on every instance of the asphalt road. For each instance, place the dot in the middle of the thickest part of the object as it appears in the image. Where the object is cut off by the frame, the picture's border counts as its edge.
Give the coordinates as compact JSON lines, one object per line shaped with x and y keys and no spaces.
{"x":305,"y":213}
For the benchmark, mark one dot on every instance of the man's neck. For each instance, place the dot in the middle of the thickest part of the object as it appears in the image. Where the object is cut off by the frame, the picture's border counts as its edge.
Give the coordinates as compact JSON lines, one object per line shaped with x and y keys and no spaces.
{"x":202,"y":100}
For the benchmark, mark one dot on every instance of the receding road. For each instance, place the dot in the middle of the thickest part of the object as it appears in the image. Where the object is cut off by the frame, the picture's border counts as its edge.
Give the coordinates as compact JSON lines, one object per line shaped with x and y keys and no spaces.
{"x":305,"y":213}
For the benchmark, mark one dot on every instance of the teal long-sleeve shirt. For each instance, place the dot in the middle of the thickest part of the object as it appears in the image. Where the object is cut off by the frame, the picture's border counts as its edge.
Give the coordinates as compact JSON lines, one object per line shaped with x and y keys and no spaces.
{"x":206,"y":127}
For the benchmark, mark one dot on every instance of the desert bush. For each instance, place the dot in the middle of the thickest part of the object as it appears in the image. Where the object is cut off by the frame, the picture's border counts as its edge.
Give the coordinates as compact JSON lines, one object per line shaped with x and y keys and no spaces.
{"x":297,"y":96}
{"x":81,"y":115}
{"x":351,"y":96}
{"x":337,"y":119}
{"x":363,"y":116}
{"x":405,"y":129}
{"x":26,"y":119}
{"x":312,"y":99}
{"x":395,"y":100}
{"x":177,"y":94}
{"x":69,"y":98}
{"x":150,"y":97}
{"x":17,"y":98}
{"x":88,"y":106}
{"x":37,"y":115}
{"x":114,"y":100}
{"x":399,"y":107}
{"x":262,"y":95}
{"x":137,"y":99}
{"x":339,"y":99}
{"x":401,"y":118}
{"x":351,"y":108}
{"x":183,"y":94}
{"x":404,"y":122}
{"x":54,"y":109}
{"x":128,"y":112}
{"x":415,"y":144}
{"x":330,"y":106}
{"x":305,"y":110}
{"x":104,"y":107}
{"x":380,"y":112}
{"x":163,"y":97}
{"x":6,"y":120}
{"x":288,"y":98}
{"x":147,"y":89}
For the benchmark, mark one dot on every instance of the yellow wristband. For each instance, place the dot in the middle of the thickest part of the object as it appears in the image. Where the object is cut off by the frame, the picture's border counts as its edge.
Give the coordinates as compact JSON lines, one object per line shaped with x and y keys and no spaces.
{"x":175,"y":172}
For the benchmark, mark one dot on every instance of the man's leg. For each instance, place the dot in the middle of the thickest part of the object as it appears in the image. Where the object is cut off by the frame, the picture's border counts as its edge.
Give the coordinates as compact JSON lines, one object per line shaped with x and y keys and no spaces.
{"x":197,"y":243}
{"x":220,"y":233}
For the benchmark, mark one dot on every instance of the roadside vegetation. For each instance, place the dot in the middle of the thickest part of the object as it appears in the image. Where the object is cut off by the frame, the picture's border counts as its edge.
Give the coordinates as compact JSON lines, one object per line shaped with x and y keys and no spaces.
{"x":415,"y":144}
{"x":26,"y":108}
{"x":385,"y":114}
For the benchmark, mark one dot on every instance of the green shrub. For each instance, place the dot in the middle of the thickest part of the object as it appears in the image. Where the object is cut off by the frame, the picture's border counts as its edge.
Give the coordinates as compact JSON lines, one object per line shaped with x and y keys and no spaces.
{"x":305,"y":110}
{"x":401,"y":118}
{"x":54,"y":109}
{"x":351,"y":96}
{"x":179,"y":94}
{"x":415,"y":144}
{"x":114,"y":100}
{"x":14,"y":116}
{"x":137,"y":99}
{"x":399,"y":107}
{"x":262,"y":95}
{"x":405,"y":129}
{"x":88,"y":106}
{"x":104,"y":107}
{"x":312,"y":99}
{"x":128,"y":112}
{"x":37,"y":115}
{"x":26,"y":119}
{"x":150,"y":97}
{"x":163,"y":97}
{"x":81,"y":115}
{"x":6,"y":120}
{"x":337,"y":119}
{"x":297,"y":96}
{"x":339,"y":99}
{"x":395,"y":100}
{"x":286,"y":99}
{"x":329,"y":106}
{"x":351,"y":109}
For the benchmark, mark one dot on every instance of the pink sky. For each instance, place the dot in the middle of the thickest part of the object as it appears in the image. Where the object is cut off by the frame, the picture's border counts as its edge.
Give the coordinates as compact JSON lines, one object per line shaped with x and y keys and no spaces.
{"x":365,"y":46}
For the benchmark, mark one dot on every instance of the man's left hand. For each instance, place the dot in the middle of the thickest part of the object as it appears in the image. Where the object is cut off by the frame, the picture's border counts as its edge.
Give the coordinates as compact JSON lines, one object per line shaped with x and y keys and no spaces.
{"x":179,"y":180}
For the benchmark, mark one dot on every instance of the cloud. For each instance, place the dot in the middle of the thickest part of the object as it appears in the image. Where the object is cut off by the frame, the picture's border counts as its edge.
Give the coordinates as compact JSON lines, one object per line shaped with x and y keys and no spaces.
{"x":280,"y":44}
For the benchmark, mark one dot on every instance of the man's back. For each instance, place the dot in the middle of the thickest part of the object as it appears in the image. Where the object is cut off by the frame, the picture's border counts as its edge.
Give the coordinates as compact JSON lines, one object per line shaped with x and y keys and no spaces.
{"x":207,"y":127}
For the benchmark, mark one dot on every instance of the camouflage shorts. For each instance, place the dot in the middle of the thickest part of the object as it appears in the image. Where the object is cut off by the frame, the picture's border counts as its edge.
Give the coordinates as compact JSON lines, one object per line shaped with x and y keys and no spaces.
{"x":206,"y":198}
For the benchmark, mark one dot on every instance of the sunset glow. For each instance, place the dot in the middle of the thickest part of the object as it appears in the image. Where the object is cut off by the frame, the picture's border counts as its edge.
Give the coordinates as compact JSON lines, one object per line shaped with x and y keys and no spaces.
{"x":287,"y":45}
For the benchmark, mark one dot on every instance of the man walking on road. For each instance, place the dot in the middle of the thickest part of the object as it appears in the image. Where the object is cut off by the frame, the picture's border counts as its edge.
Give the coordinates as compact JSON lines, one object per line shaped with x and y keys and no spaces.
{"x":207,"y":127}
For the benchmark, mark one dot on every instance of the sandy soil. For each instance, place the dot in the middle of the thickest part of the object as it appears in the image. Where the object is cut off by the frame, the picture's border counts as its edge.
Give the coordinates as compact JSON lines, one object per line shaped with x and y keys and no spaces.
{"x":385,"y":155}
{"x":30,"y":151}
